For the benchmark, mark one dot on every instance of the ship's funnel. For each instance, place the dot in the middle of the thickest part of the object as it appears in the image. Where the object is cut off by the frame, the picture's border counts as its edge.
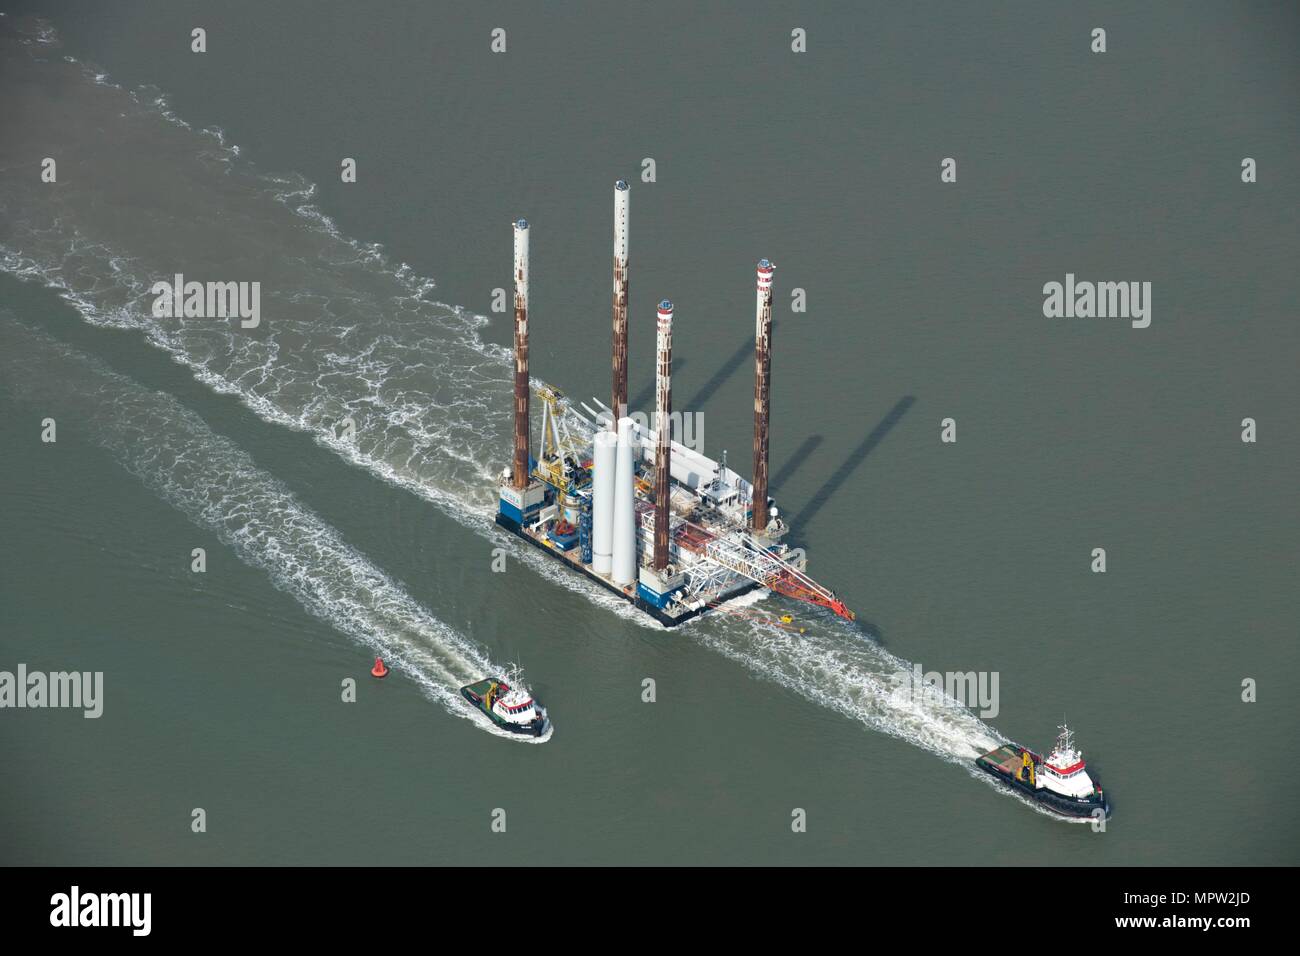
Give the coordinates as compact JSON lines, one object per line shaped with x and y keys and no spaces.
{"x":762,"y":392}
{"x":663,"y":428}
{"x":624,"y":571}
{"x":619,"y":360}
{"x":602,"y":502}
{"x":519,"y":471}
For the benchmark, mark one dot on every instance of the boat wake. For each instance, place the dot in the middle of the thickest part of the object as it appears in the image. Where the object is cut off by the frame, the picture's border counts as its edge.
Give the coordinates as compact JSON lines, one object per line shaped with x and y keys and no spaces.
{"x":217,"y":485}
{"x":351,"y":343}
{"x":836,"y":668}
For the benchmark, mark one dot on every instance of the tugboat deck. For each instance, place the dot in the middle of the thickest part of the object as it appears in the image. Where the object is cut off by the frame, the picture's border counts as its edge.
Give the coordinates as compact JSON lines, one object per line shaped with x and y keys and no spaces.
{"x":481,"y":687}
{"x":1006,"y":759}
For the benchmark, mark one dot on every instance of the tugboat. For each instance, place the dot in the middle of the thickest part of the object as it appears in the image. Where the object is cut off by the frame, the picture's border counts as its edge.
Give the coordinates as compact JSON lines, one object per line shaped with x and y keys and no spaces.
{"x":1060,"y":781}
{"x":510,"y":709}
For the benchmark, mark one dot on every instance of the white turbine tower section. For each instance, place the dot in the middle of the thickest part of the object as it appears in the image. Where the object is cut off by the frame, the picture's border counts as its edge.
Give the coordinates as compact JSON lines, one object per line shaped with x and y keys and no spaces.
{"x":624,"y":572}
{"x":602,"y":503}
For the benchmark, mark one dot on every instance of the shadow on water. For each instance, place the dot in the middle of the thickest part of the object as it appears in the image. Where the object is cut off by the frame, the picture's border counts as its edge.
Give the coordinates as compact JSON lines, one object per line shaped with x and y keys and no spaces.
{"x":708,"y":389}
{"x":728,"y":369}
{"x":642,"y":401}
{"x":802,"y":454}
{"x":850,"y":464}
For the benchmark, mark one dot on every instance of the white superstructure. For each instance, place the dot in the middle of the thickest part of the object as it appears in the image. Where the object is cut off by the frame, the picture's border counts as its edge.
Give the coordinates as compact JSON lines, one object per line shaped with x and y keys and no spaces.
{"x":1063,"y":771}
{"x":516,"y":706}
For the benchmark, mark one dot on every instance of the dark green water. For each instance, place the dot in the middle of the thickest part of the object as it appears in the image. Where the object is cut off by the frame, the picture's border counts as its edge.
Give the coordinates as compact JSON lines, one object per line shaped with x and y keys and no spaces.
{"x":222,"y":690}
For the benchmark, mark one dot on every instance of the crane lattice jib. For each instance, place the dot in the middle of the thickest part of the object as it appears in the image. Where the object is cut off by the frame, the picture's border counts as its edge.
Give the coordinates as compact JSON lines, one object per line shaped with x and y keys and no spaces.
{"x":746,"y":558}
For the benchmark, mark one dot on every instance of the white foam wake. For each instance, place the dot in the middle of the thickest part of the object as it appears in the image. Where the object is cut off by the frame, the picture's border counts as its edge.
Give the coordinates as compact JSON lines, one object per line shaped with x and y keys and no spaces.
{"x":219,"y":487}
{"x":856,"y":677}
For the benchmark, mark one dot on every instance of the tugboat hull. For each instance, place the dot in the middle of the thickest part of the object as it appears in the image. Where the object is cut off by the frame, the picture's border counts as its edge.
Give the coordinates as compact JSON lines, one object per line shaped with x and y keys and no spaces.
{"x":1003,"y":763}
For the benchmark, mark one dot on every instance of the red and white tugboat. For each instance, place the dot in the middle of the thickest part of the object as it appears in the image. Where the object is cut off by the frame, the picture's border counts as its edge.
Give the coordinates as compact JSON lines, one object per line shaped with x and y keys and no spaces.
{"x":1060,"y":781}
{"x":509,"y":708}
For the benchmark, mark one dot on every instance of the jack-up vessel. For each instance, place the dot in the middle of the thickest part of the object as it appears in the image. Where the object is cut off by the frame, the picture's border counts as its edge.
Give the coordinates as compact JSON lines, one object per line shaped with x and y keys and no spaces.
{"x":613,"y":496}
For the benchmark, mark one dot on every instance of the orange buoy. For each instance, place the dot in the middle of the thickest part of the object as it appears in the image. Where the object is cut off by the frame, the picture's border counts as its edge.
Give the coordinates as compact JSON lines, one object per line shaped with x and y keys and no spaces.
{"x":379,"y":670}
